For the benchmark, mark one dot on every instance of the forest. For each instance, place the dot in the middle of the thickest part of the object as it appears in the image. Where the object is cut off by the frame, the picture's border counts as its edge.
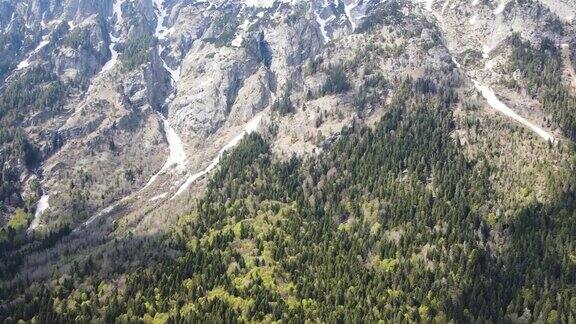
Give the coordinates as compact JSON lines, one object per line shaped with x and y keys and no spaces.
{"x":386,"y":224}
{"x":541,"y":67}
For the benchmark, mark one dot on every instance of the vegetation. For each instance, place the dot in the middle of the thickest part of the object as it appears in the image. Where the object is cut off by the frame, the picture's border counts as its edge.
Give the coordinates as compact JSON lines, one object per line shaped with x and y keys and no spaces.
{"x":36,"y":90}
{"x":137,"y":51}
{"x":11,"y":42}
{"x":541,"y":68}
{"x":336,"y":80}
{"x":283,"y":105}
{"x":389,"y":223}
{"x":14,"y":149}
{"x":227,"y":25}
{"x":384,"y":225}
{"x":385,"y":14}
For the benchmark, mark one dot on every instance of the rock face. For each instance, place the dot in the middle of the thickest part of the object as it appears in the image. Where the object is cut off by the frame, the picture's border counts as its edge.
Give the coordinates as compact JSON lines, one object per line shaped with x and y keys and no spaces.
{"x":129,"y":74}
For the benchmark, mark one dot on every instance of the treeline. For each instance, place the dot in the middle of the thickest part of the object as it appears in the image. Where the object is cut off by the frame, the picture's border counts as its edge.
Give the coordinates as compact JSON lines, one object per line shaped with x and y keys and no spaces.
{"x":36,"y":90}
{"x":384,"y":225}
{"x":542,"y":69}
{"x":16,"y":153}
{"x":137,"y":51}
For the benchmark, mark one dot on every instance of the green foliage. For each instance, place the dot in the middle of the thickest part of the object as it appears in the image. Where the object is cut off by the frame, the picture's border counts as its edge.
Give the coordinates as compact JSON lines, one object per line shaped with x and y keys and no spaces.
{"x":385,"y":13}
{"x":78,"y":38}
{"x":542,"y":69}
{"x":382,"y":225}
{"x":137,"y":51}
{"x":11,"y":42}
{"x":336,"y":81}
{"x":19,"y":221}
{"x":36,"y":90}
{"x":15,"y":149}
{"x":283,"y":105}
{"x":227,"y":25}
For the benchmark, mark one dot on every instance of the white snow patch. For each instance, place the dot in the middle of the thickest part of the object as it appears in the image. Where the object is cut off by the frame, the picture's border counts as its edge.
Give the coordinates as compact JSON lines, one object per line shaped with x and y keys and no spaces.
{"x":161,"y":31}
{"x":455,"y":62}
{"x":260,"y":3}
{"x":268,"y":3}
{"x":495,"y":103}
{"x":90,"y":220}
{"x":323,"y":22}
{"x":41,"y":207}
{"x":348,"y":11}
{"x":174,"y":73}
{"x":237,"y":41}
{"x":251,"y":127}
{"x":26,"y":63}
{"x":500,"y":8}
{"x":161,"y":196}
{"x":103,"y":212}
{"x":486,"y":50}
{"x":114,"y":58}
{"x":116,"y":12}
{"x":177,"y":156}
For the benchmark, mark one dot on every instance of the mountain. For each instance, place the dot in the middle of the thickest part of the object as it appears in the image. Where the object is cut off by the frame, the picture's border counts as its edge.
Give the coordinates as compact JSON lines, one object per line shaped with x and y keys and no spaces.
{"x":287,"y":160}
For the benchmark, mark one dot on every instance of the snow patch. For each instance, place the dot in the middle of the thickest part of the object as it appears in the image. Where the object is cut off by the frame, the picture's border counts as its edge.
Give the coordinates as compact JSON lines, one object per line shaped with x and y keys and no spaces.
{"x":161,"y":33}
{"x":455,"y":62}
{"x":486,"y":50}
{"x":114,"y":58}
{"x":116,"y":12}
{"x":495,"y":103}
{"x":41,"y":207}
{"x":174,"y":73}
{"x":323,"y":22}
{"x":177,"y":156}
{"x":161,"y":196}
{"x":237,"y":42}
{"x":260,"y":3}
{"x":90,"y":220}
{"x":267,"y":3}
{"x":251,"y":127}
{"x":348,"y":11}
{"x":500,"y":8}
{"x":26,"y":63}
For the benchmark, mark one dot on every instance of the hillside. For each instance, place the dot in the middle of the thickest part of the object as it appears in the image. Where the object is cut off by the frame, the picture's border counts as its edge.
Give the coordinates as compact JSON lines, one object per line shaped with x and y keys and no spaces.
{"x":259,"y":161}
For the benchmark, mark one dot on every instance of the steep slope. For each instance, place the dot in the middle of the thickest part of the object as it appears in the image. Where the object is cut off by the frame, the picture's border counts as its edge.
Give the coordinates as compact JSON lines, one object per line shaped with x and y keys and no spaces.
{"x":118,"y":117}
